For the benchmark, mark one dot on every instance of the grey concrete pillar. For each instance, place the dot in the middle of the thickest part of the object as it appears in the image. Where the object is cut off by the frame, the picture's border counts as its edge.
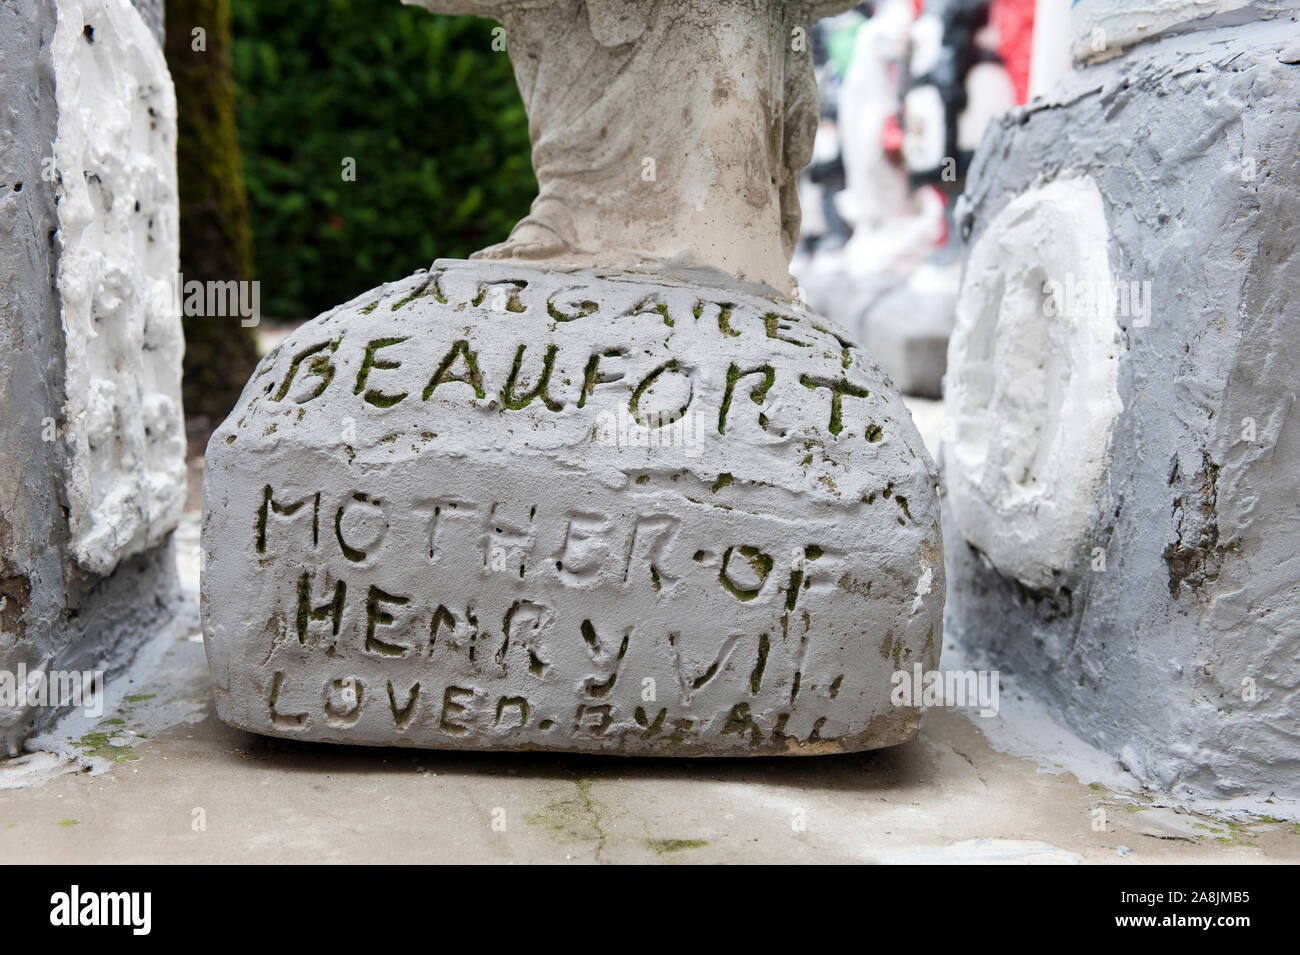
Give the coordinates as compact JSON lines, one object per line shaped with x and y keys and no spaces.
{"x":91,"y":435}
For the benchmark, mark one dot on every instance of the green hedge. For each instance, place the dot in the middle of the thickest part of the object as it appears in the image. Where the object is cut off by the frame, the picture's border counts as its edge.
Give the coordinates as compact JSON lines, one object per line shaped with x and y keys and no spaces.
{"x":216,"y":243}
{"x":423,"y":104}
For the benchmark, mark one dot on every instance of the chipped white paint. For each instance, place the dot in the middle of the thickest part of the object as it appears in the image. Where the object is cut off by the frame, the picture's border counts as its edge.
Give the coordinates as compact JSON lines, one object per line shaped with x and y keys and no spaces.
{"x":119,"y":247}
{"x":1031,"y":387}
{"x":923,"y":586}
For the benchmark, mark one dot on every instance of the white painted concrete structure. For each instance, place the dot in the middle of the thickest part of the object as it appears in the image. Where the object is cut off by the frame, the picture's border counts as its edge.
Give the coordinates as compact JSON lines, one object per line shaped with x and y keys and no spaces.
{"x":91,"y":440}
{"x":1121,"y":487}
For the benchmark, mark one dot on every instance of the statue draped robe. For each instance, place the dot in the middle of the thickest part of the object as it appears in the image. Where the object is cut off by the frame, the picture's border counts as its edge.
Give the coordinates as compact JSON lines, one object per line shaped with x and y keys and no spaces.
{"x":666,"y":133}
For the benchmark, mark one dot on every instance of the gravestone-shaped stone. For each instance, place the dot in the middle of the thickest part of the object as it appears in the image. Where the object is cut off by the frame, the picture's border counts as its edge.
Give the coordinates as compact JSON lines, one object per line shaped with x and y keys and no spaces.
{"x":590,"y":491}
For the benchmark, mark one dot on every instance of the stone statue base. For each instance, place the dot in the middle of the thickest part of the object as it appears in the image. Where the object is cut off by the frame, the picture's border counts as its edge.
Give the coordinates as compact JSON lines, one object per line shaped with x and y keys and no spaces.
{"x":492,"y":506}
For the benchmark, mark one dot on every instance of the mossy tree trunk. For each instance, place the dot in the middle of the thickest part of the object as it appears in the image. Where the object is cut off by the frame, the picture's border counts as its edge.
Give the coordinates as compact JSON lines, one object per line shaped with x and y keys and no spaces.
{"x":216,"y":243}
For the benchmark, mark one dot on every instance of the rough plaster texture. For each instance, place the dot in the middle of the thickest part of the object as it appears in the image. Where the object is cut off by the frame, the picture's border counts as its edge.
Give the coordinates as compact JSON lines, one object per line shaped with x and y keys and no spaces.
{"x":664,"y":133}
{"x":1180,"y":656}
{"x":153,"y":13}
{"x":1106,"y":28}
{"x":115,"y":156}
{"x":54,"y":613}
{"x":493,"y":506}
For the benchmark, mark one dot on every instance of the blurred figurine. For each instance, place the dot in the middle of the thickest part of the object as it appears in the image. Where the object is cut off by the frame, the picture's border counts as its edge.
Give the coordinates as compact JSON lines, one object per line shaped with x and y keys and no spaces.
{"x":876,"y":188}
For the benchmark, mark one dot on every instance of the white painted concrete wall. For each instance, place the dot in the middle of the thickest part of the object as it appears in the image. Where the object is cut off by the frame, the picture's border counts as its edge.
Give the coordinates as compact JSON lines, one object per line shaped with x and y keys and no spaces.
{"x":115,"y":156}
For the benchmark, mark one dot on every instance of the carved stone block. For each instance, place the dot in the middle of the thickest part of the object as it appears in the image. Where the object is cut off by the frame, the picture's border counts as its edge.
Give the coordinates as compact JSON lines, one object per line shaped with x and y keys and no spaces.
{"x":1122,"y":463}
{"x":492,"y":506}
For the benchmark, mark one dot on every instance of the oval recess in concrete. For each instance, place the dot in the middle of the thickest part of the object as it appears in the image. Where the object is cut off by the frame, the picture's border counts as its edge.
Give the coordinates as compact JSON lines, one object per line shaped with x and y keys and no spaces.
{"x":1031,"y":386}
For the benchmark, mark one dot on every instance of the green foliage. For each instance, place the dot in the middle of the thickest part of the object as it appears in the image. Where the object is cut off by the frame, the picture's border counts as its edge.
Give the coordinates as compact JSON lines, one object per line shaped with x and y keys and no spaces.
{"x":423,"y":104}
{"x":216,"y":244}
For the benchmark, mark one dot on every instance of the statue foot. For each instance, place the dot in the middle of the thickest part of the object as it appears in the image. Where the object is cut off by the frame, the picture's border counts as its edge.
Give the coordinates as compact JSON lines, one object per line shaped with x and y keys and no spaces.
{"x":529,"y":241}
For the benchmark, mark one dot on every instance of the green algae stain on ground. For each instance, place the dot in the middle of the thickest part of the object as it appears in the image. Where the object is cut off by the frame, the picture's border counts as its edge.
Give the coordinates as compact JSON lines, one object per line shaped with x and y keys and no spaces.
{"x":98,"y":744}
{"x":69,"y":823}
{"x":572,"y":819}
{"x":665,"y":846}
